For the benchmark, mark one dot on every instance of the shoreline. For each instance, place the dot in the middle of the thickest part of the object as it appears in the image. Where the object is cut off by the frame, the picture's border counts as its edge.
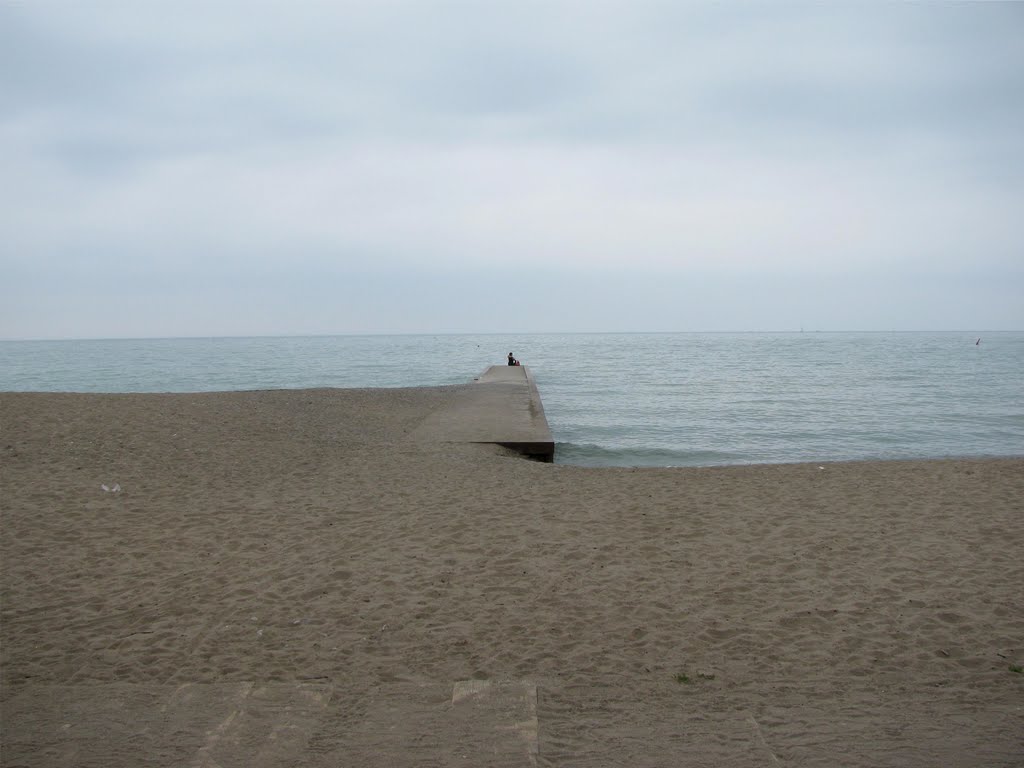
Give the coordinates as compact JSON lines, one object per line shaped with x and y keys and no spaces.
{"x":867,"y":613}
{"x":443,"y":388}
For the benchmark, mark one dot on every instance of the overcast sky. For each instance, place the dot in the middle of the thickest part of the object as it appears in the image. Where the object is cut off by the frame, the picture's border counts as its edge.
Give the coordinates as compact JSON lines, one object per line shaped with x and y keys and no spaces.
{"x":240,"y":168}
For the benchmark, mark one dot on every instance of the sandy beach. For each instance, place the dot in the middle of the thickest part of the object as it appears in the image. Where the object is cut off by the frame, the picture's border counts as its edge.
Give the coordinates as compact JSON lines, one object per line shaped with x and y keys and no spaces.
{"x":307,"y":544}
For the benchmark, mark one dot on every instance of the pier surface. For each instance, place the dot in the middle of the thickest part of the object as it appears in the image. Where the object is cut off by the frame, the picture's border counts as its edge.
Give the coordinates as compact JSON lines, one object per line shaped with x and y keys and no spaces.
{"x":502,"y":407}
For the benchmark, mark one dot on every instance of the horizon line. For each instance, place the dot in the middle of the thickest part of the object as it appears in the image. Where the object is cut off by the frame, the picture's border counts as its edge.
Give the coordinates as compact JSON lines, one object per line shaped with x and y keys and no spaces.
{"x":203,"y":337}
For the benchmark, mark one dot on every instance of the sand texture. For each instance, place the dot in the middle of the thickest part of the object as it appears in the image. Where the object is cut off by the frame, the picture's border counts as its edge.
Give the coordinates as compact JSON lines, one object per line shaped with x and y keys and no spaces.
{"x":296,"y":579}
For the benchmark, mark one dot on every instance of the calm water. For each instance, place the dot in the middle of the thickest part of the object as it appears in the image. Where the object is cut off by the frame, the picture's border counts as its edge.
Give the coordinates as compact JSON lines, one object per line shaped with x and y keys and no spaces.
{"x":625,"y":399}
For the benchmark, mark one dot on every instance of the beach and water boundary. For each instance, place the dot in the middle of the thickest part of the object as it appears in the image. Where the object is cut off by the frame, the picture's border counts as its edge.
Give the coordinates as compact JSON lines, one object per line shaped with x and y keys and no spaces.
{"x":669,"y":399}
{"x":300,"y":577}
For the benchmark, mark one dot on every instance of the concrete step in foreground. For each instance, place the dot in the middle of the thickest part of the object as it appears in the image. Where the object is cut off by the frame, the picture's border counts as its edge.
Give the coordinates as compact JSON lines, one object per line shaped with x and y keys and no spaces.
{"x":480,"y":723}
{"x":255,"y":725}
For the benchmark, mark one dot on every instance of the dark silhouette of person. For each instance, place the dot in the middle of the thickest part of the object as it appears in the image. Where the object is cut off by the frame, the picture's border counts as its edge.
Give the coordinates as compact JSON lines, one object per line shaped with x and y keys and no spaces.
{"x":512,"y":360}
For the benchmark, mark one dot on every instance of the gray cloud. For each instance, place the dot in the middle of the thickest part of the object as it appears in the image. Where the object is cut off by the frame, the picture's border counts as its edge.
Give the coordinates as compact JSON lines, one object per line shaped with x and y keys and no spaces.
{"x":176,"y":145}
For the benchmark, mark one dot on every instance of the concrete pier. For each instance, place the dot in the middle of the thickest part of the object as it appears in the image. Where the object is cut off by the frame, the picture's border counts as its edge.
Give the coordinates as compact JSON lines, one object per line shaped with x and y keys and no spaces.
{"x":502,"y":407}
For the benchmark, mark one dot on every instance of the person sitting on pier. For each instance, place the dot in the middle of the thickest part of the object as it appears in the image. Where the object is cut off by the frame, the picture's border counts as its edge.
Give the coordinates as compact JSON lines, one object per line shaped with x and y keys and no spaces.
{"x":512,"y":360}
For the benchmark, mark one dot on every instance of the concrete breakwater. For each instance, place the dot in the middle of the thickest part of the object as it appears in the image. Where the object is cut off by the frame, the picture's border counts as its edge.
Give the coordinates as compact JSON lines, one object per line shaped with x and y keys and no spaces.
{"x":502,"y":407}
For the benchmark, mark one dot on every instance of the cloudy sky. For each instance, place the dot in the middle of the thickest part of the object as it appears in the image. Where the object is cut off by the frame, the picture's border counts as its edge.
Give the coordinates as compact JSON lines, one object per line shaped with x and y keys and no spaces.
{"x":239,"y":168}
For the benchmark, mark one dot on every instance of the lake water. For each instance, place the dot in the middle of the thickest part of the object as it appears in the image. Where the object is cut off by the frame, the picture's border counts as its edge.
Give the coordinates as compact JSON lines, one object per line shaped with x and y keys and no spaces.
{"x":674,"y":399}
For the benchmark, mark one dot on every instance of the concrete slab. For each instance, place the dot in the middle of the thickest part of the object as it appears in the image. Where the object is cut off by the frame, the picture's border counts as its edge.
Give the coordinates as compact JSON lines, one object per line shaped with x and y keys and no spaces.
{"x":268,"y":725}
{"x":510,"y":706}
{"x":215,"y":725}
{"x":412,"y":725}
{"x":502,"y":407}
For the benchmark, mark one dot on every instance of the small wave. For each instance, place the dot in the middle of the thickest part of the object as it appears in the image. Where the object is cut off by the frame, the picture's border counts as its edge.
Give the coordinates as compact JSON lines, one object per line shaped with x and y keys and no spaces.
{"x":585,"y":455}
